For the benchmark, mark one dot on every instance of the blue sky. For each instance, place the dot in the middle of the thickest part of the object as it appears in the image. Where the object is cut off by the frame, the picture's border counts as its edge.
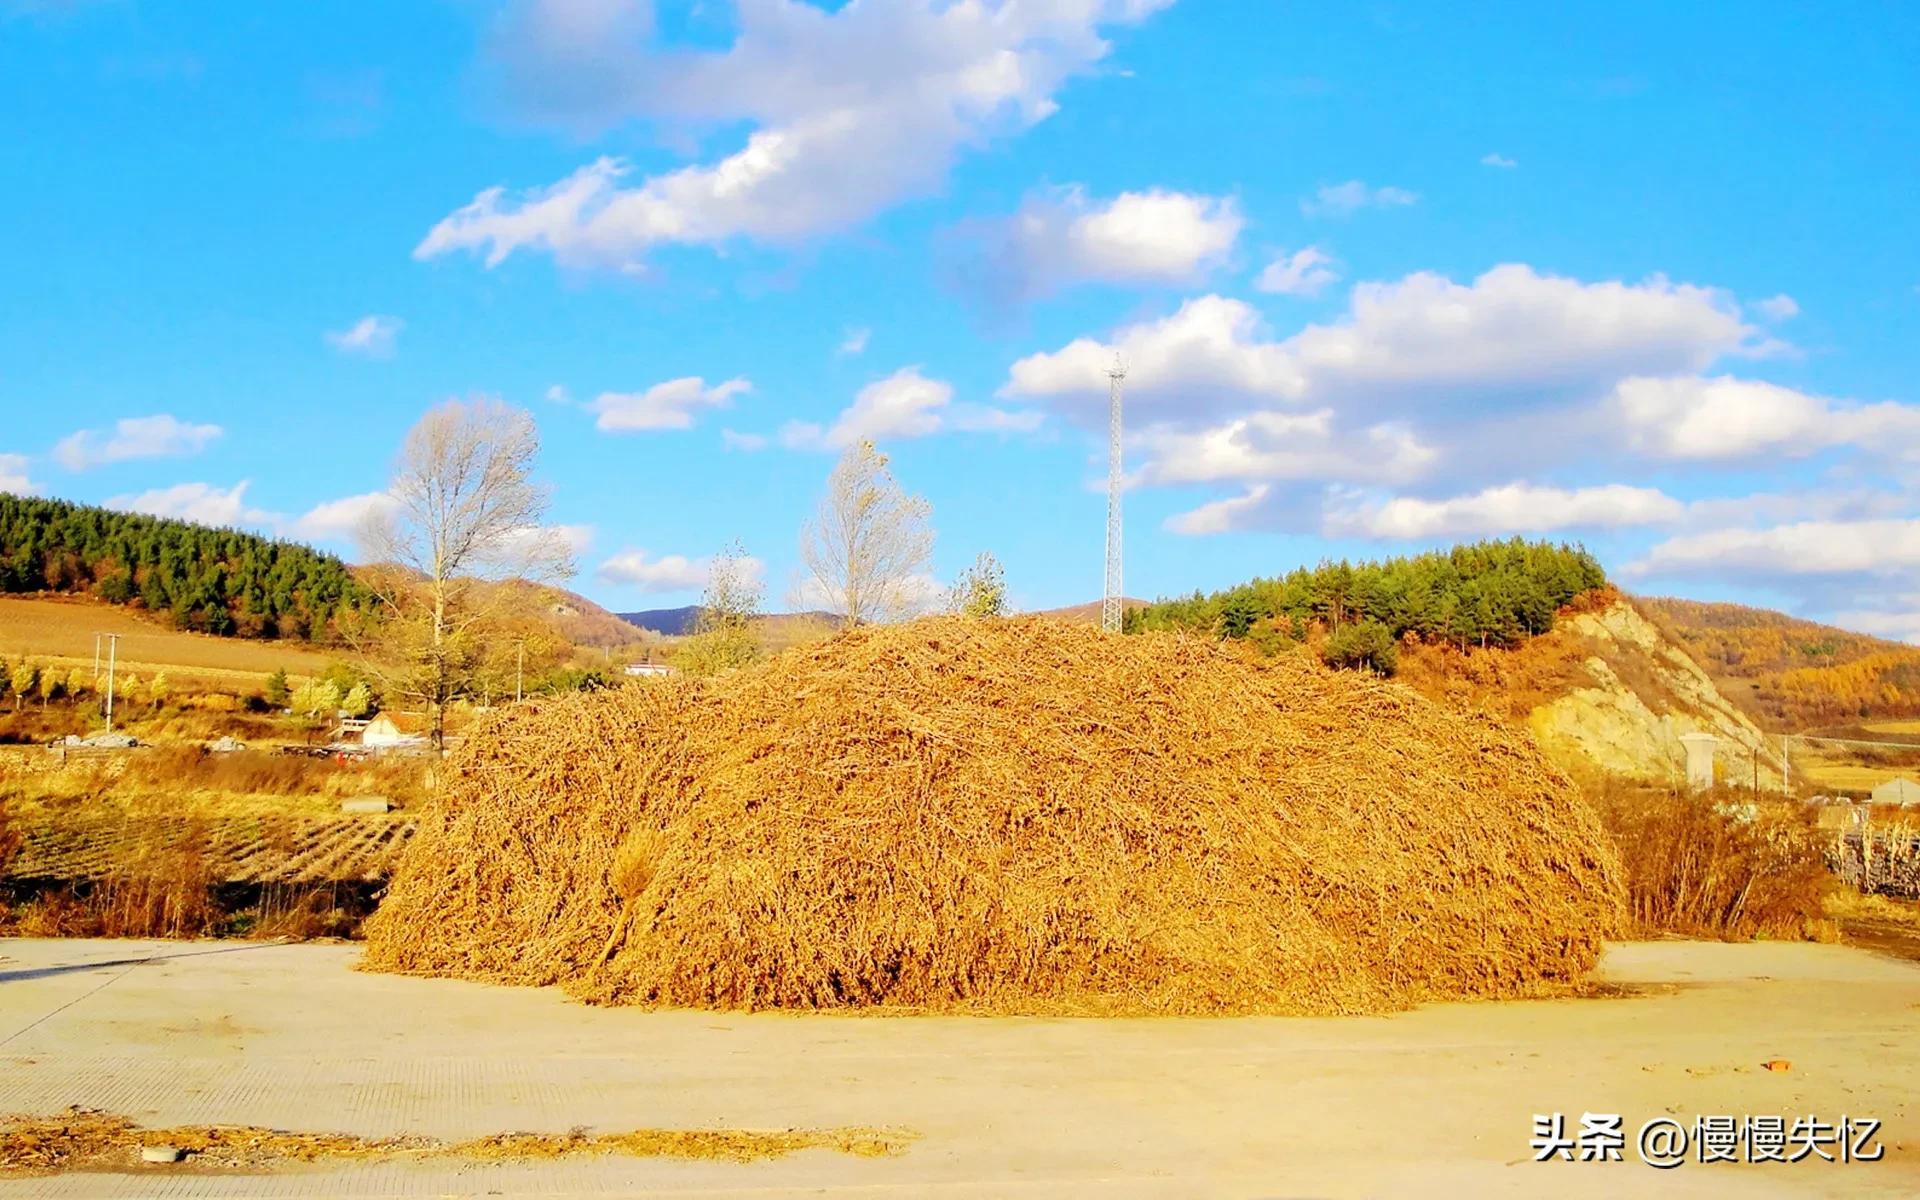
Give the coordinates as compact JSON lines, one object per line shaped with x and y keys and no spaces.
{"x":1385,"y":275}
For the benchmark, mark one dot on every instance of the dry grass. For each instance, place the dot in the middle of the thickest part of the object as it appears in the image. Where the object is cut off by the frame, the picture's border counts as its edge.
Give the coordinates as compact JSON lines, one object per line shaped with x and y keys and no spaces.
{"x":174,"y":842}
{"x":61,"y":630}
{"x":1015,"y":816}
{"x":82,"y":1139}
{"x":167,"y":781}
{"x":1717,"y":866}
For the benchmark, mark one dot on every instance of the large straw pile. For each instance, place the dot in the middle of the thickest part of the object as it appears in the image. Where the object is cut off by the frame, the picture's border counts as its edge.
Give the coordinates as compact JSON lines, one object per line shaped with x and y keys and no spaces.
{"x":1017,"y":816}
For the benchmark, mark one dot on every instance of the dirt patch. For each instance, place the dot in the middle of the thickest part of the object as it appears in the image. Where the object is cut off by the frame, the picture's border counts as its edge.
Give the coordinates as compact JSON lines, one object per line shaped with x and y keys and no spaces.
{"x":87,"y":1140}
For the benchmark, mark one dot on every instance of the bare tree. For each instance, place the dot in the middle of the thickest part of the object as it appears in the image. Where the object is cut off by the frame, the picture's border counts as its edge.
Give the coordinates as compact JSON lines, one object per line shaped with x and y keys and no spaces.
{"x":464,"y":517}
{"x":869,"y":543}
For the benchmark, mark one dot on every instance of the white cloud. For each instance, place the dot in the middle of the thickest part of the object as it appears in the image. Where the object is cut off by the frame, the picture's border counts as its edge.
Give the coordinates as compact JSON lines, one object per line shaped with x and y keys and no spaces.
{"x":906,"y":404}
{"x":160,"y":436}
{"x":1212,"y":348}
{"x":855,"y":342}
{"x":542,"y":543}
{"x":1278,"y":446}
{"x":851,"y":110}
{"x":1496,"y":159}
{"x":670,"y":573}
{"x":1345,"y":199}
{"x":1510,"y":333}
{"x":1867,"y":547}
{"x":1462,"y":386}
{"x":13,"y":476}
{"x":1777,"y":308}
{"x":1507,"y":509}
{"x":199,"y":502}
{"x":1062,"y":238}
{"x":1302,"y":273}
{"x":372,"y":336}
{"x":557,"y":394}
{"x":1902,"y":624}
{"x":733,"y":439}
{"x":1700,"y":418}
{"x":339,"y":520}
{"x":669,"y":405}
{"x":1224,"y":515}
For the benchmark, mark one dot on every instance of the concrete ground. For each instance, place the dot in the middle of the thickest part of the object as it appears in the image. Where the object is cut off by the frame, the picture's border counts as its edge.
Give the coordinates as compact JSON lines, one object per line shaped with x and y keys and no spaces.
{"x":1434,"y":1102}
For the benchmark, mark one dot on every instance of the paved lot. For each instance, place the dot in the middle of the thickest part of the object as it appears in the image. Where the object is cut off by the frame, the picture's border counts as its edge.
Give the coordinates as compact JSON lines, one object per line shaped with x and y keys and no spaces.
{"x":1435,"y":1102}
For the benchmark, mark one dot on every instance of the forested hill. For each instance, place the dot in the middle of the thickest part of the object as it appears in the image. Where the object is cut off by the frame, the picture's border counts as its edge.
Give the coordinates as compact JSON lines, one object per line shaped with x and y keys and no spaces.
{"x":1487,"y":593}
{"x":1793,"y":674}
{"x":212,"y":580}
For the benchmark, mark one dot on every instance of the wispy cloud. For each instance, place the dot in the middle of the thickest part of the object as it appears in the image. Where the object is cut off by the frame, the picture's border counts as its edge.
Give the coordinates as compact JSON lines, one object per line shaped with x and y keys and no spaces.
{"x":372,"y":336}
{"x":160,"y":436}
{"x":1345,"y":199}
{"x":1302,"y":273}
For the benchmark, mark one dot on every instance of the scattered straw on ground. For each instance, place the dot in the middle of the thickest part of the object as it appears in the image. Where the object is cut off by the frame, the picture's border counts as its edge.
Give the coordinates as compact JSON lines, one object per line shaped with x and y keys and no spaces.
{"x":83,"y":1139}
{"x":1005,"y":816}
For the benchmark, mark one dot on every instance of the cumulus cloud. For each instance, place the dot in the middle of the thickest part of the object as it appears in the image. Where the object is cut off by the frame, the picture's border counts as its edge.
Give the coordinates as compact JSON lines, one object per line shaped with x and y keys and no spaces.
{"x":159,"y":436}
{"x":1512,"y":333}
{"x":1507,"y":509}
{"x":1223,"y":515}
{"x":1278,"y":446}
{"x":1345,"y":199}
{"x":669,"y":573}
{"x":199,"y":502}
{"x":1454,"y":388}
{"x":849,"y":110}
{"x":855,"y":342}
{"x":1062,"y":238}
{"x":669,"y":405}
{"x":13,"y":475}
{"x":1496,"y":159}
{"x":1211,"y":353}
{"x":1302,"y":273}
{"x":1866,"y":547}
{"x":1777,"y":308}
{"x":372,"y":336}
{"x":340,"y":520}
{"x":1720,"y":417}
{"x":906,"y":404}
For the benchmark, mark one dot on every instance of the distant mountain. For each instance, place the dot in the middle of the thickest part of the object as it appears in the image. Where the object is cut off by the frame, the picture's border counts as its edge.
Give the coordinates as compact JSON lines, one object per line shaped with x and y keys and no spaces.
{"x":1088,"y":613}
{"x":678,"y":622}
{"x":581,"y":621}
{"x":672,"y":622}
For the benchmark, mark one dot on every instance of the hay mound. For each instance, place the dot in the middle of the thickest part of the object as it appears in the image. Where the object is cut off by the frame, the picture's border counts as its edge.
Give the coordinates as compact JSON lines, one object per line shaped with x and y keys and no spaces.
{"x":1017,"y":816}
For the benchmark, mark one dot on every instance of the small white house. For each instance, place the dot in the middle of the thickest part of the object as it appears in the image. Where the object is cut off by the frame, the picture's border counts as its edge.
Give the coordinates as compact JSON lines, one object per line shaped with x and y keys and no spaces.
{"x":1901,"y":791}
{"x":646,"y":670}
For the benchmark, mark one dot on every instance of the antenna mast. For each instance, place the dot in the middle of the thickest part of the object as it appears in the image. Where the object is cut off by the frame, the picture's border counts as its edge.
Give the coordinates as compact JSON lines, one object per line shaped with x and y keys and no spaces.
{"x":1110,"y":600}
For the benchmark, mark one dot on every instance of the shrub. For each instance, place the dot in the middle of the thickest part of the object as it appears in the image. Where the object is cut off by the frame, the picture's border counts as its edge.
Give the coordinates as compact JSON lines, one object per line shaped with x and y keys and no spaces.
{"x":1363,"y":645}
{"x":1713,"y":866}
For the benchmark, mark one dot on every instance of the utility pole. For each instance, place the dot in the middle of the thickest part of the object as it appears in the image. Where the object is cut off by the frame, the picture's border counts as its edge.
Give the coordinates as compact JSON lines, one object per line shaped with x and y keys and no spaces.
{"x":1110,"y":600}
{"x":113,"y":645}
{"x":520,"y":672}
